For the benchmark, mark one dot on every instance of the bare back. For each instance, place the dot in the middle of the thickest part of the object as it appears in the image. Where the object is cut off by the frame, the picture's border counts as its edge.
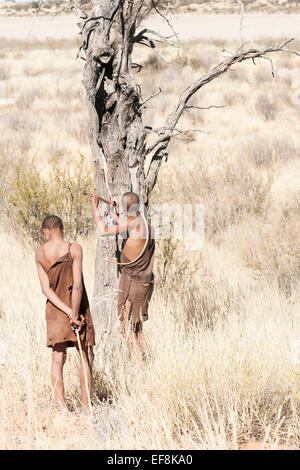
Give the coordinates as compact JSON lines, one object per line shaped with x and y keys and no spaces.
{"x":137,"y":237}
{"x":50,"y":252}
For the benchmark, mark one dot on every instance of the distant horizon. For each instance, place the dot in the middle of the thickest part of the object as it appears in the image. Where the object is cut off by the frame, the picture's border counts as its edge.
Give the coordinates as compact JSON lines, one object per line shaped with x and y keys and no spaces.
{"x":28,"y":1}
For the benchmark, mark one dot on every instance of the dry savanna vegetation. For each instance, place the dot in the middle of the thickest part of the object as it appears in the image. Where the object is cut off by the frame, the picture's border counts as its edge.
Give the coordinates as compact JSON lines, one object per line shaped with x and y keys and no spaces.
{"x":223,"y":367}
{"x":46,"y":7}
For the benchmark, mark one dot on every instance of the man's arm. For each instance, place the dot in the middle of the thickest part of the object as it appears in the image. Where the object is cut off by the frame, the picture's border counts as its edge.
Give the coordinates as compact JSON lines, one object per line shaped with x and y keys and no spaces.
{"x":47,"y":291}
{"x":104,"y":230}
{"x":76,"y":253}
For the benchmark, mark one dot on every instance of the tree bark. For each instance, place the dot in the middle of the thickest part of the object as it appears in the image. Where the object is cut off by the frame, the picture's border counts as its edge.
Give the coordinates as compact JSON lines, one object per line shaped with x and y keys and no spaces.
{"x":116,"y":130}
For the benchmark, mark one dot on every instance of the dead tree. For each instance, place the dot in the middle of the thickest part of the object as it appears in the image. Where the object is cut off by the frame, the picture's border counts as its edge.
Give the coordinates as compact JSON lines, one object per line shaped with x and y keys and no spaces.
{"x":109,"y":30}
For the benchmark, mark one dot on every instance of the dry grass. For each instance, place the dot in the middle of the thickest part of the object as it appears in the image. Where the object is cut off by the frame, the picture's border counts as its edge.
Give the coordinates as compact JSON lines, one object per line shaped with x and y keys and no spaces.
{"x":202,"y":388}
{"x":267,"y":106}
{"x":223,"y":321}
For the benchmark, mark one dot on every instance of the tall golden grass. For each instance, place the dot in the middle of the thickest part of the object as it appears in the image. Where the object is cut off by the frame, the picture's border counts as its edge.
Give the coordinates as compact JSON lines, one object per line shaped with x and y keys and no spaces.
{"x":223,"y":366}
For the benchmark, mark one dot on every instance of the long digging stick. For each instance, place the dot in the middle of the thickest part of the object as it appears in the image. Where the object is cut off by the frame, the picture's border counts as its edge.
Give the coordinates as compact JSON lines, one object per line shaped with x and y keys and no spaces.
{"x":84,"y":368}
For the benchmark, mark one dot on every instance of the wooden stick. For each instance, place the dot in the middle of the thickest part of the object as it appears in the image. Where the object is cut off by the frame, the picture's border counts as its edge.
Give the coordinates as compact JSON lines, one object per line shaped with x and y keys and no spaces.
{"x":84,"y":369}
{"x":107,"y":202}
{"x":101,"y":199}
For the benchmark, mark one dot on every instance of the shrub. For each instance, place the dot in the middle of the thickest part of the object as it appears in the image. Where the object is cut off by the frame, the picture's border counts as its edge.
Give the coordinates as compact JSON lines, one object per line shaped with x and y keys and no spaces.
{"x":64,"y":192}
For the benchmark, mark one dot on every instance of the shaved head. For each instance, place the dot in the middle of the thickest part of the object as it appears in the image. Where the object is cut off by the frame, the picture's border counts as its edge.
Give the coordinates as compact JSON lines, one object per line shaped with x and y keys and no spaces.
{"x":130,"y":199}
{"x":52,"y":222}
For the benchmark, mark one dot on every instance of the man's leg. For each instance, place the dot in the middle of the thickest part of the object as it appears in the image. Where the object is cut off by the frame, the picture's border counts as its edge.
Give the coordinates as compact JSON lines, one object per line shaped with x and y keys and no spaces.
{"x":133,"y":333}
{"x":139,"y":340}
{"x":141,"y":343}
{"x":58,"y":360}
{"x":138,"y":327}
{"x":85,"y":375}
{"x":127,"y":327}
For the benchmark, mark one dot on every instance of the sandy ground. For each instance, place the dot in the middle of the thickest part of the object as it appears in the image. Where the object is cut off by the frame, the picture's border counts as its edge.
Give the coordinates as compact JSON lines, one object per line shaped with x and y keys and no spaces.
{"x":187,"y":26}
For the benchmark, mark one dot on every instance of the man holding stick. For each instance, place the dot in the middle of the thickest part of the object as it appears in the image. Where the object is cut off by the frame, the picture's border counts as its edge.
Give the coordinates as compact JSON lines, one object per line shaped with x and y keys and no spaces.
{"x":137,"y":259}
{"x":59,"y":266}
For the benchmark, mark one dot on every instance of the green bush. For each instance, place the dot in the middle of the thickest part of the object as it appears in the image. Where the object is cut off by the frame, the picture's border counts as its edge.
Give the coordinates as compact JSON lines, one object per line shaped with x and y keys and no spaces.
{"x":64,"y":191}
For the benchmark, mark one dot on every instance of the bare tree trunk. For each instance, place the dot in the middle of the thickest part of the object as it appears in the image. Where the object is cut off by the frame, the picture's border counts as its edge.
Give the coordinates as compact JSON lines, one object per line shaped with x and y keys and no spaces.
{"x":116,"y":130}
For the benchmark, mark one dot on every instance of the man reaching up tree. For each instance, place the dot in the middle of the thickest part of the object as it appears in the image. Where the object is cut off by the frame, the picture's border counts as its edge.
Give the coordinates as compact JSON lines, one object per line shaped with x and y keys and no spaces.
{"x":59,"y":266}
{"x":137,"y":259}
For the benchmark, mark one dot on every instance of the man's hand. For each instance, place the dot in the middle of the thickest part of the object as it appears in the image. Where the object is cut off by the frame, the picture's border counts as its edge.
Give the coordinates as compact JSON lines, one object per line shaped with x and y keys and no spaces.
{"x":79,"y":323}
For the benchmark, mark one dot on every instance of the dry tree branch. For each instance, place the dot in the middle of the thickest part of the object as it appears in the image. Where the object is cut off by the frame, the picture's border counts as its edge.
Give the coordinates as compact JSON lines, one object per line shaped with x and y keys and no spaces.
{"x":158,"y":149}
{"x":126,"y":22}
{"x":141,"y":37}
{"x":165,"y":18}
{"x":150,"y":97}
{"x":62,"y":10}
{"x":137,"y":66}
{"x":206,"y":107}
{"x":271,"y":63}
{"x":154,"y":48}
{"x":172,"y":132}
{"x":77,"y":4}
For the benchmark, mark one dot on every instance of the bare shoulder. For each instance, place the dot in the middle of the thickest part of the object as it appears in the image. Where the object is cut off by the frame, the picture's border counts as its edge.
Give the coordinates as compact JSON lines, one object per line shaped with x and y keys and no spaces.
{"x":75,"y":250}
{"x":40,"y":252}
